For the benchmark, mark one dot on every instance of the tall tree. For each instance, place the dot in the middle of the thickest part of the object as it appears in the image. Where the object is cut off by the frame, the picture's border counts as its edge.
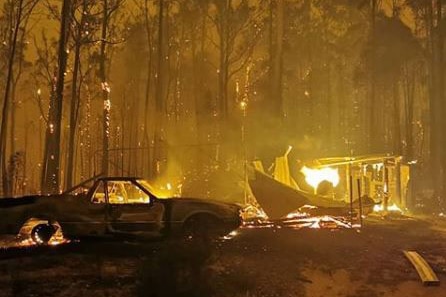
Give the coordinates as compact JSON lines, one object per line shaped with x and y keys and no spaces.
{"x":374,"y":142}
{"x":434,"y":21}
{"x":19,"y":12}
{"x":238,"y":26}
{"x":277,"y":59}
{"x":109,"y":7}
{"x":441,"y":93}
{"x":147,"y":114}
{"x":82,"y":34}
{"x":51,"y":164}
{"x":105,"y":90}
{"x":160,"y":109}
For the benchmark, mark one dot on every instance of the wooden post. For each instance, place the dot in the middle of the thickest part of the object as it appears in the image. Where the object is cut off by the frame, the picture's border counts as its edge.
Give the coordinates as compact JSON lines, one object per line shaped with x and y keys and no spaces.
{"x":351,"y":198}
{"x":386,"y":186}
{"x":347,"y":180}
{"x":360,"y":201}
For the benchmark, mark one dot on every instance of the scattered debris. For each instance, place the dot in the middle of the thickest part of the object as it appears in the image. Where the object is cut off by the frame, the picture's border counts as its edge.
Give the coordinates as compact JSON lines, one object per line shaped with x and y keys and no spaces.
{"x":303,"y":222}
{"x":278,"y":200}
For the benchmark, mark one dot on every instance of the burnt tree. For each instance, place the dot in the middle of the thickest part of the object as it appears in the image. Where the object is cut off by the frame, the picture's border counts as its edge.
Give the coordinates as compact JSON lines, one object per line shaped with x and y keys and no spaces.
{"x":51,"y":164}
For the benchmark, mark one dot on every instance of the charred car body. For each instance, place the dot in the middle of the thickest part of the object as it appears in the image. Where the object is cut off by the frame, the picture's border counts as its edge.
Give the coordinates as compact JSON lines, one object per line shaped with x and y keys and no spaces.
{"x":115,"y":207}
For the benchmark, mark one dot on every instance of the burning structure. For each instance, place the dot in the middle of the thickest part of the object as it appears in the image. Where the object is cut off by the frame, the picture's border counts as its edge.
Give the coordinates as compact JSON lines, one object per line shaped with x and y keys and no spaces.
{"x":381,"y":177}
{"x":341,"y":186}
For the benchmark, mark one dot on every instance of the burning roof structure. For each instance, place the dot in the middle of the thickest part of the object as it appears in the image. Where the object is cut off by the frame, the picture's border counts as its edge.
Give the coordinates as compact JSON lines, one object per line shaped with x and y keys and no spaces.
{"x":343,"y":187}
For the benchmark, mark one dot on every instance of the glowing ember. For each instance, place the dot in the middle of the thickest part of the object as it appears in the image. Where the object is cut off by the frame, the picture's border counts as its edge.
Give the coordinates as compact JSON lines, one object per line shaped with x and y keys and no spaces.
{"x":299,"y":213}
{"x":300,"y":221}
{"x":58,"y":242}
{"x":319,"y":222}
{"x":231,"y":235}
{"x":315,"y":176}
{"x":54,"y":241}
{"x":243,"y":105}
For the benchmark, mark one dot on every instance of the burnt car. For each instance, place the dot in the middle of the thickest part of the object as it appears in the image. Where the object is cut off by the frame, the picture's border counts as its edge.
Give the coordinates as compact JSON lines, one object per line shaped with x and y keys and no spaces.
{"x":113,"y":207}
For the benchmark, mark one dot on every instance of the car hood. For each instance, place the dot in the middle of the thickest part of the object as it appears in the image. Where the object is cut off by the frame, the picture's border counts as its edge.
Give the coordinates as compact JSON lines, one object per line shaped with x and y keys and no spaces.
{"x":203,"y":201}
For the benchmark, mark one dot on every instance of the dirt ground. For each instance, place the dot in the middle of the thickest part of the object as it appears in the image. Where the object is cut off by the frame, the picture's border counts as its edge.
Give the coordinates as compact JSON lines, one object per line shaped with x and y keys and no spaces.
{"x":257,"y":262}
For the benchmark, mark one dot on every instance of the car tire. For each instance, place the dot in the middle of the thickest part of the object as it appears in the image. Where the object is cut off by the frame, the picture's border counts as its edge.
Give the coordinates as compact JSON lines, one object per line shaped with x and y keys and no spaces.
{"x":41,"y":234}
{"x":202,"y":227}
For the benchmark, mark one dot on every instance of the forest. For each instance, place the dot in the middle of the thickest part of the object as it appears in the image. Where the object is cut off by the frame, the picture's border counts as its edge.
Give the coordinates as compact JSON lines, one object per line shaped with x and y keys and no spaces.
{"x":187,"y":92}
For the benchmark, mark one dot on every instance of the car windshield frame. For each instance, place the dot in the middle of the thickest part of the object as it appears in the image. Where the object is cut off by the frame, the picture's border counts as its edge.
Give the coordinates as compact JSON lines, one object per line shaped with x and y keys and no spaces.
{"x":144,"y":184}
{"x":91,"y":180}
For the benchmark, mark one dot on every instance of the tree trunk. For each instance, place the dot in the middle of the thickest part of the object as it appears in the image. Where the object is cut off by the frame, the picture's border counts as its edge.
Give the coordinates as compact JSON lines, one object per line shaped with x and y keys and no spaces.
{"x":105,"y":92}
{"x":203,"y":101}
{"x":409,"y":89}
{"x":147,"y":118}
{"x":441,"y":96}
{"x":13,"y":96}
{"x":71,"y":167}
{"x":52,"y":165}
{"x":5,"y":108}
{"x":396,"y":119}
{"x":223,"y":61}
{"x":374,"y":142}
{"x":277,"y":61}
{"x":159,"y":93}
{"x":435,"y":101}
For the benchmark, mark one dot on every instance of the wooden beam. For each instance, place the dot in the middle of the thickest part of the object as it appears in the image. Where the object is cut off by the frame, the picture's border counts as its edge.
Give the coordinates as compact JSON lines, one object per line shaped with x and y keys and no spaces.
{"x":427,"y":275}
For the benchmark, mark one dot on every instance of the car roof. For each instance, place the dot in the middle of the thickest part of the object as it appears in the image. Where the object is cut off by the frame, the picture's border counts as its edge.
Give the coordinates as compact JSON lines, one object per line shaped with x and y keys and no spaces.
{"x":119,"y":178}
{"x":103,"y":178}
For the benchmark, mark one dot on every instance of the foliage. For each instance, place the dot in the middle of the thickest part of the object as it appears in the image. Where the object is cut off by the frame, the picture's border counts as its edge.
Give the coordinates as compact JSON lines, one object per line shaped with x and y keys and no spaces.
{"x":218,"y":80}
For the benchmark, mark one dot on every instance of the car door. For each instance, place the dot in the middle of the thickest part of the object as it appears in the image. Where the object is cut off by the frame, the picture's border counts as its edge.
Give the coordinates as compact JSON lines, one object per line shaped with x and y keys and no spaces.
{"x":132,"y":210}
{"x":87,"y":212}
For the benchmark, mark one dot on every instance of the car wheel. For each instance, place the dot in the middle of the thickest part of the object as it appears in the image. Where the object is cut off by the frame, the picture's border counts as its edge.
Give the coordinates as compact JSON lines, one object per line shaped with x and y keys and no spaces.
{"x":202,"y":227}
{"x":42,"y":233}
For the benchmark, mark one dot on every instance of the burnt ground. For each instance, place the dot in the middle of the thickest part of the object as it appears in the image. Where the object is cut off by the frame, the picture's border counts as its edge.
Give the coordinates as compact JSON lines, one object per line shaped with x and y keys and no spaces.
{"x":257,"y":262}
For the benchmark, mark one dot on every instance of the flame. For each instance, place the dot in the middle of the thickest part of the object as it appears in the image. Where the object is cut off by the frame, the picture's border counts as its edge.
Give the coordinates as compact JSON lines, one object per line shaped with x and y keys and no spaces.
{"x":297,"y":223}
{"x":163,"y":189}
{"x":315,"y":176}
{"x":393,"y":207}
{"x":24,"y":240}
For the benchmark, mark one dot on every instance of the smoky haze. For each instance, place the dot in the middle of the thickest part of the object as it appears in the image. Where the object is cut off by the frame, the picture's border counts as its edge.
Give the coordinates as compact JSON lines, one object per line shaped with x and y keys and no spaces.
{"x":195,"y":89}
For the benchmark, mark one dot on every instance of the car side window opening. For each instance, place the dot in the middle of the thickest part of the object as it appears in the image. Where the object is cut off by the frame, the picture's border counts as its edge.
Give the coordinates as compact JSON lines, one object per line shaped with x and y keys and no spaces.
{"x":99,"y":193}
{"x":126,"y":192}
{"x":81,"y":189}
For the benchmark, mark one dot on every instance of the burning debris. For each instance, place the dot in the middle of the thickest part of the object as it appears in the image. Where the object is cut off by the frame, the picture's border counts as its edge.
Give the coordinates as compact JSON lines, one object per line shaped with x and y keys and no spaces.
{"x":38,"y":232}
{"x":322,"y":222}
{"x":278,"y":200}
{"x":283,"y":203}
{"x":303,"y":221}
